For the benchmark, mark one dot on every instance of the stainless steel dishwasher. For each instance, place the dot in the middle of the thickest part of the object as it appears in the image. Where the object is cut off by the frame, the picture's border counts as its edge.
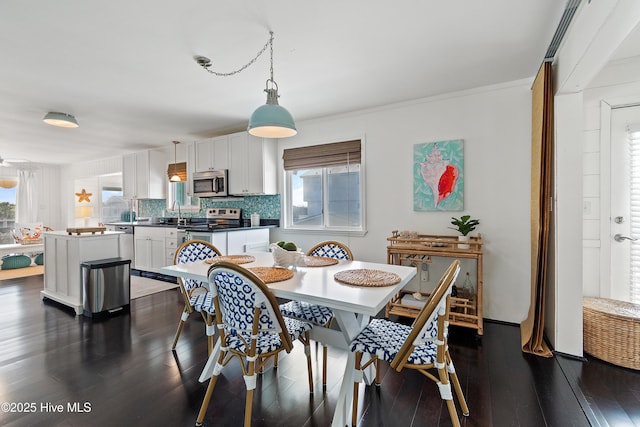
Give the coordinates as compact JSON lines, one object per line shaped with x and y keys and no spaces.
{"x":126,"y":241}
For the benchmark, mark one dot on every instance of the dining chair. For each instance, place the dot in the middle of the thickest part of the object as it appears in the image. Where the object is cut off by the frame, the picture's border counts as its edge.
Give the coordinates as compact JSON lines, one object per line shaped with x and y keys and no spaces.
{"x":421,"y":346}
{"x":251,"y":329}
{"x":317,"y":314}
{"x":194,"y":292}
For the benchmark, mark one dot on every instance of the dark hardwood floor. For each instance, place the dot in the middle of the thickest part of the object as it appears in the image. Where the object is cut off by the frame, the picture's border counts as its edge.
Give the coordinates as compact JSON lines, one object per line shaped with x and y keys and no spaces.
{"x":120,"y":371}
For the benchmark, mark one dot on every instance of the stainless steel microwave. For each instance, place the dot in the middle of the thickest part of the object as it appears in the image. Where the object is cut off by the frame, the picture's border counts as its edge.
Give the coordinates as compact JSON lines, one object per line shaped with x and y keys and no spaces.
{"x":212,"y":183}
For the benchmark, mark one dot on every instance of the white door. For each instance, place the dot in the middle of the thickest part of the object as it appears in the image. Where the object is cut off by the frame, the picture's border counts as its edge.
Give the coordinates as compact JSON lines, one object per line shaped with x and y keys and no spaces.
{"x":624,"y":229}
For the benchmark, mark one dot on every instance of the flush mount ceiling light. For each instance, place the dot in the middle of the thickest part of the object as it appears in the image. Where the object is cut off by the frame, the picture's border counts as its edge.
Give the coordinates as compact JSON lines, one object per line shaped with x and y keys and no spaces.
{"x":62,"y":120}
{"x":175,"y":177}
{"x":270,"y":120}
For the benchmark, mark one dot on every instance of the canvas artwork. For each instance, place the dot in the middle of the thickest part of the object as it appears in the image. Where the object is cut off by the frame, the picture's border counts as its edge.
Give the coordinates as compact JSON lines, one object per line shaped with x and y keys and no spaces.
{"x":438,"y":176}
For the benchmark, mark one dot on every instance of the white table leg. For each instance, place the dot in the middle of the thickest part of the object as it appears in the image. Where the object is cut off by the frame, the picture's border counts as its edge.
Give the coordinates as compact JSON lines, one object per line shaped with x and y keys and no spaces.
{"x":351,"y":325}
{"x":211,"y":362}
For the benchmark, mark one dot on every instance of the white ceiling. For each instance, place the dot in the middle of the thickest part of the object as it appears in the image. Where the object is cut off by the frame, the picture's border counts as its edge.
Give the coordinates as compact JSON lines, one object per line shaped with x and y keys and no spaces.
{"x":125,"y":69}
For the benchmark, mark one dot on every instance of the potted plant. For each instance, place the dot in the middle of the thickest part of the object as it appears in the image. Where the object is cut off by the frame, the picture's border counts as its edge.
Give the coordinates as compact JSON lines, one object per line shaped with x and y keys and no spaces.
{"x":464,"y":225}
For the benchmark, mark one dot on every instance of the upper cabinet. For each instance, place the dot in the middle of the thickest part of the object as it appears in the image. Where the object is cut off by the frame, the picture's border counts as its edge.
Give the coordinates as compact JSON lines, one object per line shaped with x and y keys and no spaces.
{"x":211,"y":154}
{"x":252,"y":165}
{"x":251,"y":162}
{"x":144,"y":175}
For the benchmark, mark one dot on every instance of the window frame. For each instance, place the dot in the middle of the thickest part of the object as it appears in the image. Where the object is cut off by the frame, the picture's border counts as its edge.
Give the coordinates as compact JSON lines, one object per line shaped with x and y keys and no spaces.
{"x":338,"y":230}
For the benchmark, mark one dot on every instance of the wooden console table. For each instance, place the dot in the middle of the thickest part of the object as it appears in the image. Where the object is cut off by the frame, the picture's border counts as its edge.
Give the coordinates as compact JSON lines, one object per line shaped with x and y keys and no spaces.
{"x":465,"y":308}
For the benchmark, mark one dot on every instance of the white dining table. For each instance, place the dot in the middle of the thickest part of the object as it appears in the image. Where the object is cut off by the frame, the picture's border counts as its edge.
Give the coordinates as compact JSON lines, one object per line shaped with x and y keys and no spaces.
{"x":353,"y":307}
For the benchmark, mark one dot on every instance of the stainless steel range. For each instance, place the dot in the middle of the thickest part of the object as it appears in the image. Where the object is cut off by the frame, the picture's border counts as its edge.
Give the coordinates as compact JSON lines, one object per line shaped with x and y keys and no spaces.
{"x":218,"y":219}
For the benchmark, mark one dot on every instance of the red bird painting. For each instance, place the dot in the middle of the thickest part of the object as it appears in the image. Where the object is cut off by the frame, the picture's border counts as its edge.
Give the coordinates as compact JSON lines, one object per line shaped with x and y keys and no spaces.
{"x":436,"y":182}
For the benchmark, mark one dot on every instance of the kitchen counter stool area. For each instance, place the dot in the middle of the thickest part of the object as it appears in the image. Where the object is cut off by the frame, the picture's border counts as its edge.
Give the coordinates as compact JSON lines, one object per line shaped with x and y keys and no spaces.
{"x":124,"y":370}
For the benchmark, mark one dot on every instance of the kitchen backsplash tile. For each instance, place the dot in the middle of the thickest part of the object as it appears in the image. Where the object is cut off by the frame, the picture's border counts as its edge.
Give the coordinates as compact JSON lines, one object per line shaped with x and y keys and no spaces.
{"x":268,"y":207}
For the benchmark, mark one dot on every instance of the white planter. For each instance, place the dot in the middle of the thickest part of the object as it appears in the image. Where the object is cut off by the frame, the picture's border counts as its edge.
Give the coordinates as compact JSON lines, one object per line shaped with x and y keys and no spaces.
{"x":463,"y":245}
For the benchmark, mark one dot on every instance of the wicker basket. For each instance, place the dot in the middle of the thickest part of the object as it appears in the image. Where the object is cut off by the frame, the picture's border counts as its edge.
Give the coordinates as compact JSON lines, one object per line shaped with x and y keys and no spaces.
{"x":612,"y":331}
{"x":286,"y":259}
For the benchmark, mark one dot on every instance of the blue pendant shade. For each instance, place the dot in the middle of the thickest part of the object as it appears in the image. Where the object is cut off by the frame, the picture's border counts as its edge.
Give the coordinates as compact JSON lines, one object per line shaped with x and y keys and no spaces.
{"x":63,"y":120}
{"x":271,"y":120}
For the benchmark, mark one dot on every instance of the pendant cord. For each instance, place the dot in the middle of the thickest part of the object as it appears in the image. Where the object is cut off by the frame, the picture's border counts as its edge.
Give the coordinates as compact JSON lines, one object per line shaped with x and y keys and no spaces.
{"x":206,"y":63}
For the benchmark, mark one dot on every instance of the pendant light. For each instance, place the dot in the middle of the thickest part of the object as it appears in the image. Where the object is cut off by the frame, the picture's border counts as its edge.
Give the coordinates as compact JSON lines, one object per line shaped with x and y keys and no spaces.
{"x":175,"y":177}
{"x":271,"y":120}
{"x":62,"y":120}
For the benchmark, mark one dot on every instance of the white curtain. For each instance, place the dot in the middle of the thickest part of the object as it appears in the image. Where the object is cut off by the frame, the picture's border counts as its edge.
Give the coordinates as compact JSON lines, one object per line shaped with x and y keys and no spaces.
{"x":26,"y":197}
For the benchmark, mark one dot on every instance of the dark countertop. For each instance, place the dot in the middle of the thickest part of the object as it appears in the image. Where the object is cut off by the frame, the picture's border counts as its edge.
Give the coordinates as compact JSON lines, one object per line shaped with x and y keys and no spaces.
{"x":267,"y":223}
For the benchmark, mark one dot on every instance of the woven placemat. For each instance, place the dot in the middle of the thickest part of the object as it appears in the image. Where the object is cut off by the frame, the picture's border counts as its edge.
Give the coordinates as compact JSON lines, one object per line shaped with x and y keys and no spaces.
{"x":272,"y":274}
{"x":319,"y":261}
{"x":236,"y":259}
{"x":367,"y":277}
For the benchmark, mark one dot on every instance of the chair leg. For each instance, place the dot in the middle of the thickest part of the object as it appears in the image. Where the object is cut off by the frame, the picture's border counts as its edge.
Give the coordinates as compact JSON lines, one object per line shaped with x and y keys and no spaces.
{"x":206,"y":400}
{"x":324,"y":366}
{"x":356,"y":386}
{"x":445,"y":394}
{"x":456,"y":385}
{"x":183,"y":318}
{"x":307,"y":351}
{"x":208,"y":321}
{"x":248,"y":406}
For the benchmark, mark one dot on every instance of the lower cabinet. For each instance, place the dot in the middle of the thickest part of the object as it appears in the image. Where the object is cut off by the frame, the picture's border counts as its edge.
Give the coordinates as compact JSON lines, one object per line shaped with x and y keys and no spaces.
{"x":63,"y":255}
{"x":237,"y":241}
{"x":248,"y":241}
{"x":154,"y":247}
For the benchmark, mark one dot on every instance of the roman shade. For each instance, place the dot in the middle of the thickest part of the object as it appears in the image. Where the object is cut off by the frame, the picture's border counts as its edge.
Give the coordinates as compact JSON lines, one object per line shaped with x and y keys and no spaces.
{"x":179,"y":169}
{"x":318,"y":156}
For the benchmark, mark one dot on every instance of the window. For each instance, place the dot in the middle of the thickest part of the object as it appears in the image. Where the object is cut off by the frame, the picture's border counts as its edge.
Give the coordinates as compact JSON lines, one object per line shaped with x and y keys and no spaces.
{"x":114,"y":207}
{"x":7,"y":209}
{"x":324,"y":187}
{"x":177,"y":195}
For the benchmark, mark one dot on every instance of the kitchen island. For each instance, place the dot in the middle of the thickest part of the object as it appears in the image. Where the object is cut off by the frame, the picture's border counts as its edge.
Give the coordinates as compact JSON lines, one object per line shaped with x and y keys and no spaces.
{"x":63,"y":255}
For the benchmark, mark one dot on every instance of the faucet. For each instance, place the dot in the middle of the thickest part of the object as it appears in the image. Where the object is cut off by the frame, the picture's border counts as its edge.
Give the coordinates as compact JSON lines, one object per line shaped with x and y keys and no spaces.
{"x":181,"y":221}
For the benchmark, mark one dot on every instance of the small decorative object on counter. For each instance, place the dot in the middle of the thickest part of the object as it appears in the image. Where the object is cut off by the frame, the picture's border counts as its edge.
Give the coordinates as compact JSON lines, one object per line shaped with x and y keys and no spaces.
{"x":287,"y":255}
{"x":255,"y":220}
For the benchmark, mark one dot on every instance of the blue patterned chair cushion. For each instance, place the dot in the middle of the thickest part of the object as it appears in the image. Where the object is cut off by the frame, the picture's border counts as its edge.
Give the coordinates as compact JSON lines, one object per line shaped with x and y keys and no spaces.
{"x":310,"y":312}
{"x":203,"y":301}
{"x":316,"y":314}
{"x":268,"y":341}
{"x":190,"y":253}
{"x":331,"y":250}
{"x":237,"y":299}
{"x":384,"y":338}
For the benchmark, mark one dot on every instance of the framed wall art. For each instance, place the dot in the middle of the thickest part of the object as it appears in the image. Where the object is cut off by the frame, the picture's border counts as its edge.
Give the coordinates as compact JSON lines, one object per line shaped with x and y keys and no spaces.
{"x":438,"y":176}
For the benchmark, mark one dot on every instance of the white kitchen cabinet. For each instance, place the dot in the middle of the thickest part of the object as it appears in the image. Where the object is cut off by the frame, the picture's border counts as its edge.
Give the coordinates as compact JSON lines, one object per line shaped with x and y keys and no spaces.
{"x":217,"y":239}
{"x":144,"y":175}
{"x":250,"y":240}
{"x":211,"y":154}
{"x":237,"y":241}
{"x":252,"y":165}
{"x":154,"y":247}
{"x":64,"y":254}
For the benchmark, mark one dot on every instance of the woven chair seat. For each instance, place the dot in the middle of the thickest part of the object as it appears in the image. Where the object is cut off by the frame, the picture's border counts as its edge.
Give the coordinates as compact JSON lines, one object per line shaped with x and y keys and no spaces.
{"x":384,"y":339}
{"x":203,"y":301}
{"x":268,"y":341}
{"x":313,"y":313}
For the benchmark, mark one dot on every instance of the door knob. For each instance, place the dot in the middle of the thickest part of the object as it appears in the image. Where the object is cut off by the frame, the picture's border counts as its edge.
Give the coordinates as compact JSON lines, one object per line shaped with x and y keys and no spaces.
{"x":620,"y":238}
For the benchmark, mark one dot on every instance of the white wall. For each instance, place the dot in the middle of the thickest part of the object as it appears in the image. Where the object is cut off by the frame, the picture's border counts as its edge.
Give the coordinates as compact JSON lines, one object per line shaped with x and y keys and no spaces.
{"x":495,"y":123}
